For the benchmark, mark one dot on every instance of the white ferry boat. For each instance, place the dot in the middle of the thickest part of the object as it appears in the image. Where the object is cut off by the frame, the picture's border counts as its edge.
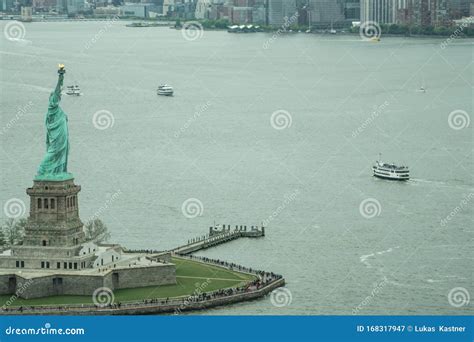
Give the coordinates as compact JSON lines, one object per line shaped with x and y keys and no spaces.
{"x":165,"y":90}
{"x":391,"y":171}
{"x":73,"y":90}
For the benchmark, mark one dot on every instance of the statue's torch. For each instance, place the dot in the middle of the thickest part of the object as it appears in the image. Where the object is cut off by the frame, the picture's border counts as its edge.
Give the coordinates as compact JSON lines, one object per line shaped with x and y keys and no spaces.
{"x":61,"y":69}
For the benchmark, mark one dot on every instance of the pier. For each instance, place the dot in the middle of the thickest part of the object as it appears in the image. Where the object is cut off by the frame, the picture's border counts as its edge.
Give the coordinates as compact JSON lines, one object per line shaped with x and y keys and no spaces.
{"x":218,"y":235}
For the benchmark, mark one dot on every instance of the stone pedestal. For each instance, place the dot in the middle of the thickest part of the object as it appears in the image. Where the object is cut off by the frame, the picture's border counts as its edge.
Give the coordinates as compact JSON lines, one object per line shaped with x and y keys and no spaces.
{"x":54,"y":223}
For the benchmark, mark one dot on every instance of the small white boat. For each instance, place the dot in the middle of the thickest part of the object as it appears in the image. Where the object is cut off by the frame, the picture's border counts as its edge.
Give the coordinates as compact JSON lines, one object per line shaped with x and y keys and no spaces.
{"x":165,"y":90}
{"x":73,"y":90}
{"x":422,"y":88}
{"x":391,"y":171}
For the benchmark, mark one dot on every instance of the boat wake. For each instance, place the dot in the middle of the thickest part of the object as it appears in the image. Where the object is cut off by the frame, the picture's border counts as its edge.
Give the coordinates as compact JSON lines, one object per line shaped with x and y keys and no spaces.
{"x":426,"y":181}
{"x":445,"y":279}
{"x":365,"y":258}
{"x":419,"y":181}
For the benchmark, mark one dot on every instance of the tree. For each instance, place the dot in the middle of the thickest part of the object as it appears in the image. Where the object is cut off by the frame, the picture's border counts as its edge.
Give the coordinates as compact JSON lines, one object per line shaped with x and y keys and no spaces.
{"x":96,"y":230}
{"x":13,"y":231}
{"x":2,"y":239}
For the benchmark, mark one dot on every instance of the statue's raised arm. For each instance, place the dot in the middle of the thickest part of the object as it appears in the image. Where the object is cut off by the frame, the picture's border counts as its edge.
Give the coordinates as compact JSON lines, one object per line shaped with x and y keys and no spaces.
{"x":61,"y":72}
{"x":55,"y":96}
{"x":54,"y":164}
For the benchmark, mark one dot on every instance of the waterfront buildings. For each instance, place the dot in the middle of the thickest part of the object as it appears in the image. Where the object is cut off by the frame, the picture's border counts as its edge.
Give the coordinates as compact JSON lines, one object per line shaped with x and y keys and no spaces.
{"x":203,"y":7}
{"x":279,"y":11}
{"x":75,"y":6}
{"x":316,"y":14}
{"x":352,"y":10}
{"x":324,"y":13}
{"x":380,"y":11}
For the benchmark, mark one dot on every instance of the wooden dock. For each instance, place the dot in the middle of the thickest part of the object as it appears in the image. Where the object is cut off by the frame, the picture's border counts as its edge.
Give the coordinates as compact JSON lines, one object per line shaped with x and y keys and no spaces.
{"x":218,"y":235}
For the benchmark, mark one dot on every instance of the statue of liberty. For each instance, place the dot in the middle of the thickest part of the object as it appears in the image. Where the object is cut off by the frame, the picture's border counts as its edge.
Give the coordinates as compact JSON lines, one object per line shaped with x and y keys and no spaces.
{"x":54,"y":164}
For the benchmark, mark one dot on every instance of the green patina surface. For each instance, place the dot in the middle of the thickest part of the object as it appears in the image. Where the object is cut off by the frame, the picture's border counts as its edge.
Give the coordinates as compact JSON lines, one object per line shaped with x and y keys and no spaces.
{"x":54,"y":164}
{"x":190,"y":275}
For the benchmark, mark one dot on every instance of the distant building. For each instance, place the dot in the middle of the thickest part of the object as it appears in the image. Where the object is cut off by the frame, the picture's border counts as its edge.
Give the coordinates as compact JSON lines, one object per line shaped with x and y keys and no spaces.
{"x":242,"y":15}
{"x":108,"y":11}
{"x":259,"y":14}
{"x":203,"y":9}
{"x":139,"y":10}
{"x":380,"y":11}
{"x":61,"y":6}
{"x":26,"y":12}
{"x":424,"y":12}
{"x":44,"y":5}
{"x":280,"y":11}
{"x":75,"y":6}
{"x":325,"y":13}
{"x":7,"y":5}
{"x":352,"y":10}
{"x":168,"y":6}
{"x":459,"y":8}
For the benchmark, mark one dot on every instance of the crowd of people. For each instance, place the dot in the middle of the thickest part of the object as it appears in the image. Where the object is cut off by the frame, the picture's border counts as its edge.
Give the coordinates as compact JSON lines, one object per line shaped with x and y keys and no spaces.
{"x":263,"y":279}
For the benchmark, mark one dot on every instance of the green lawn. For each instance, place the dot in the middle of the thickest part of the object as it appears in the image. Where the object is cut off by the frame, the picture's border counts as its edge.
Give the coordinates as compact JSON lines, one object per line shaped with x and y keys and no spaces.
{"x":190,"y":275}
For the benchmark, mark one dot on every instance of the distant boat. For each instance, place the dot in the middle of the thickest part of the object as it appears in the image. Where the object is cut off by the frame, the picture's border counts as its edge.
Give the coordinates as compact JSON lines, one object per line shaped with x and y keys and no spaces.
{"x":73,"y":90}
{"x":165,"y":90}
{"x":390,"y":171}
{"x":332,"y":30}
{"x":422,"y":88}
{"x":138,"y":25}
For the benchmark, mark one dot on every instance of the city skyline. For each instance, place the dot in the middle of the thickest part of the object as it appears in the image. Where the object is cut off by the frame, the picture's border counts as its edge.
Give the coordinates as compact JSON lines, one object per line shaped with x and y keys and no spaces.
{"x":312,"y":13}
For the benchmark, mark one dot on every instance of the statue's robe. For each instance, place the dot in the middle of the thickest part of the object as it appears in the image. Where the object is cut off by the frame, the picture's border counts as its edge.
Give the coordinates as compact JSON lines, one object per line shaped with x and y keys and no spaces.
{"x":57,"y":136}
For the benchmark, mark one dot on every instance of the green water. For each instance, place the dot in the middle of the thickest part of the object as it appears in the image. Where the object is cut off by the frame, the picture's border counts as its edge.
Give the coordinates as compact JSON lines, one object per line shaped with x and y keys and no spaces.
{"x":348,"y":100}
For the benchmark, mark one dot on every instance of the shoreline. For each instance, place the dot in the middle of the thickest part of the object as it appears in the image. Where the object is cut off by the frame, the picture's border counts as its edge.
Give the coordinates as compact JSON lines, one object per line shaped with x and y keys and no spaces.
{"x":174,"y":305}
{"x":276,"y":30}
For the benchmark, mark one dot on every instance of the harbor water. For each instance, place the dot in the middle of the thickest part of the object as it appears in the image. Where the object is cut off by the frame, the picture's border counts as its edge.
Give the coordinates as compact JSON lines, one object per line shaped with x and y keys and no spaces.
{"x":280,"y":129}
